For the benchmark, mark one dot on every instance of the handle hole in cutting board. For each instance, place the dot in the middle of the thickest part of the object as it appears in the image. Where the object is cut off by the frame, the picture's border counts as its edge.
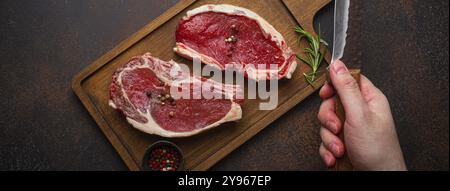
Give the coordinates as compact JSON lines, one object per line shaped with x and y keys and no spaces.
{"x":325,"y":18}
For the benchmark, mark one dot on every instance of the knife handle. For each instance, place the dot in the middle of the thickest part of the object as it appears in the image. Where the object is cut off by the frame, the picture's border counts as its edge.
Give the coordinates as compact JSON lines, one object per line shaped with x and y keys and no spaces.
{"x":343,"y":163}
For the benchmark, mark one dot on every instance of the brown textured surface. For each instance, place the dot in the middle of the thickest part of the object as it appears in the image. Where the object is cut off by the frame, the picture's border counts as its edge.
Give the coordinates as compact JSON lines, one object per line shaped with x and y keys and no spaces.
{"x":402,"y":46}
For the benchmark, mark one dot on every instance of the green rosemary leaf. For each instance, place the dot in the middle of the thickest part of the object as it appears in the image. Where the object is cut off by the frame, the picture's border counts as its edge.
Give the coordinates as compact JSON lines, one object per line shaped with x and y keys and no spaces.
{"x":309,"y":78}
{"x":304,"y":60}
{"x":309,"y":51}
{"x":311,"y":58}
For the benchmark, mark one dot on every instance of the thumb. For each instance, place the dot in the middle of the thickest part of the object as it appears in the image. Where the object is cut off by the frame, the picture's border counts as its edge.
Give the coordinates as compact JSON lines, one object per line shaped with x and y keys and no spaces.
{"x":348,"y":90}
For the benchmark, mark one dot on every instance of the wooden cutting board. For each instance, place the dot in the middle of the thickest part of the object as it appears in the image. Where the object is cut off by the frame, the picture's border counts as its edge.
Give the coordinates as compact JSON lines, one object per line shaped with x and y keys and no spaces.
{"x":158,"y":37}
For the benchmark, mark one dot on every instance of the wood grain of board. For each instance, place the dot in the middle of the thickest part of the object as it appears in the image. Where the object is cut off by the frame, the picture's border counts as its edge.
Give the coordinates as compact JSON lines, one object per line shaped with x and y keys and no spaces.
{"x":158,"y":37}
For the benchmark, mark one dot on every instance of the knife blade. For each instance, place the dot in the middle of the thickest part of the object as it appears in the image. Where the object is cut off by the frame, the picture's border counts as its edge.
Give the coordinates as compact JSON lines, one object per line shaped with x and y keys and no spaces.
{"x":341,"y":9}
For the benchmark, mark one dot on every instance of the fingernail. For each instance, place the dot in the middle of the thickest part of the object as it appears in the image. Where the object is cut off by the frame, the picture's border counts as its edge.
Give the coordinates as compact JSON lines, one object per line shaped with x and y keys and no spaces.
{"x":334,"y":126}
{"x":335,"y":148}
{"x":339,"y":67}
{"x":329,"y":159}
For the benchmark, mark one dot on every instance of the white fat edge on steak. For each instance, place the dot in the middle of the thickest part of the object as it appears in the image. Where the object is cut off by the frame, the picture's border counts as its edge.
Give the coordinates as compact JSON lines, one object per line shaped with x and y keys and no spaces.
{"x":162,"y":73}
{"x":190,"y":53}
{"x":265,"y":26}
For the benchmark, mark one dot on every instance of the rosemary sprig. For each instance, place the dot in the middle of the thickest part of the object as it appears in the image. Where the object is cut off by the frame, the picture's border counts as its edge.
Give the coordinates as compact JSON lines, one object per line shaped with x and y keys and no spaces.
{"x":314,"y":56}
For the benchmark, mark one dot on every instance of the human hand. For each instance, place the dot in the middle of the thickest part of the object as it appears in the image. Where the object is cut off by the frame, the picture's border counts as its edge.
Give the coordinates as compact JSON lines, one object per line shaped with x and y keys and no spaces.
{"x":370,"y":141}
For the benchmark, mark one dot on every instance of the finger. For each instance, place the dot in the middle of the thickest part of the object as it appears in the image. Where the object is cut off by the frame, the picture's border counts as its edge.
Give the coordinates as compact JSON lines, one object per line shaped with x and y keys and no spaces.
{"x":332,"y":142}
{"x":326,"y":91}
{"x":348,"y":90}
{"x":327,"y":116}
{"x":326,"y":156}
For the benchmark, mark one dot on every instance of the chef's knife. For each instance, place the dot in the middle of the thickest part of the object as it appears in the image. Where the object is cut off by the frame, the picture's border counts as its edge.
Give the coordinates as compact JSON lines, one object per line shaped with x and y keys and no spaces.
{"x":341,"y":11}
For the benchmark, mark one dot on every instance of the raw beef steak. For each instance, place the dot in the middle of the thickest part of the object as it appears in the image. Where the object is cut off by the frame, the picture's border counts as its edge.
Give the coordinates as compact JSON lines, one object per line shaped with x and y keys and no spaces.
{"x":226,"y":34}
{"x":140,"y":89}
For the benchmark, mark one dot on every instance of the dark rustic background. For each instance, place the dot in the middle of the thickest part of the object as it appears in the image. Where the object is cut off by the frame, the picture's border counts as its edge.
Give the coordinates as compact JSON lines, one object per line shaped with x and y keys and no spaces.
{"x":401,"y":45}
